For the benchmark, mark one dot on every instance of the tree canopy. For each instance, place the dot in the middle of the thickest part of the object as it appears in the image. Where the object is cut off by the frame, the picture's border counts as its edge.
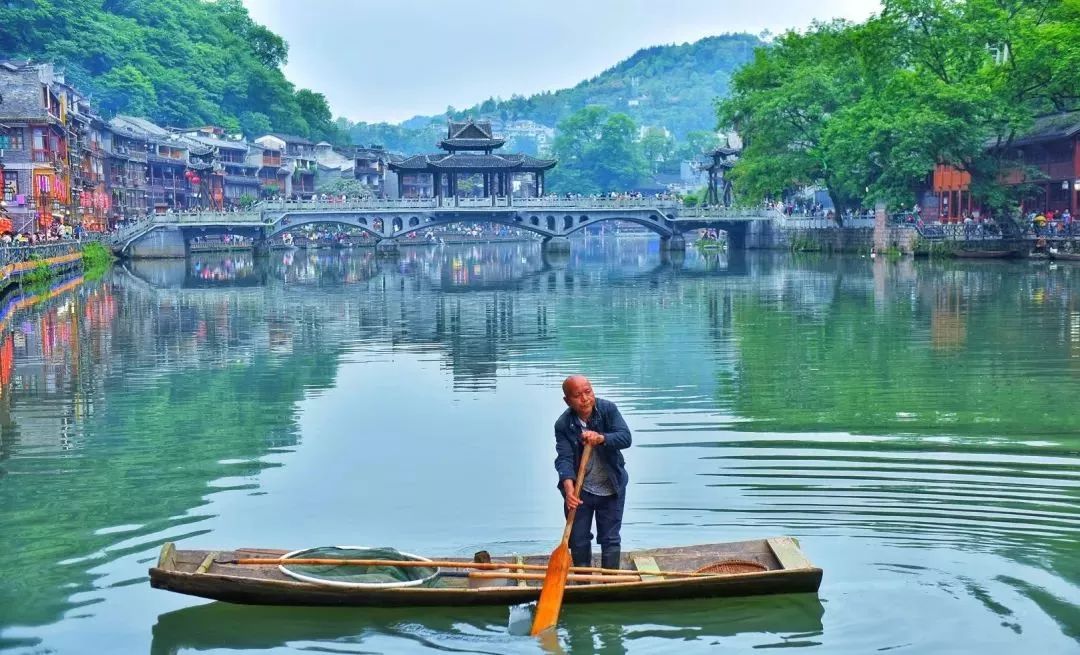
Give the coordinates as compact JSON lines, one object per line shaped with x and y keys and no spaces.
{"x":175,"y":62}
{"x":868,"y":109}
{"x":598,"y":151}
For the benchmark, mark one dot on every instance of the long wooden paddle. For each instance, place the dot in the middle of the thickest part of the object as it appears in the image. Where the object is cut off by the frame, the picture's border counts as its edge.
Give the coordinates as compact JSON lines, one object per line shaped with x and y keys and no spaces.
{"x":551,"y":594}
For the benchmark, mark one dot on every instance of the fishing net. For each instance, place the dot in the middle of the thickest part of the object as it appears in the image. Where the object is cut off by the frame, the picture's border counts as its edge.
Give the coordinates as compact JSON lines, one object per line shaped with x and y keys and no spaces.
{"x":360,"y":576}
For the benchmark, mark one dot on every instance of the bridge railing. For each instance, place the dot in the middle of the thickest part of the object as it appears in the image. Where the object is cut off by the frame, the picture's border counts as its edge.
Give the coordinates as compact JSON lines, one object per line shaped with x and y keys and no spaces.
{"x":820,"y":223}
{"x":406,"y":204}
{"x":725,"y":212}
{"x":347,"y":205}
{"x":130,"y":230}
{"x":262,"y":212}
{"x":596,"y":203}
{"x":16,"y":254}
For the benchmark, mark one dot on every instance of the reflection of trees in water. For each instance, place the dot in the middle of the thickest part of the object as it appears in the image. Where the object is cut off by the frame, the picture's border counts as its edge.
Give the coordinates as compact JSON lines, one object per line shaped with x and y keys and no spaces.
{"x":941,"y":347}
{"x":136,"y":382}
{"x":198,"y":376}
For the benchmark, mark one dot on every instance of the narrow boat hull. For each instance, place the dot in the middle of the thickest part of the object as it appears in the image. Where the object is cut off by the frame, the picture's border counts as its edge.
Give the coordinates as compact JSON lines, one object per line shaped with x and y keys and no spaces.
{"x":199,"y":573}
{"x":985,"y":254}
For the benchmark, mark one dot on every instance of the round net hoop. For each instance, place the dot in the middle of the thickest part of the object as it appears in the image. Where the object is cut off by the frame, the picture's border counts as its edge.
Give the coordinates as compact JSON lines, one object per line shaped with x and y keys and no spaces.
{"x":358,"y":577}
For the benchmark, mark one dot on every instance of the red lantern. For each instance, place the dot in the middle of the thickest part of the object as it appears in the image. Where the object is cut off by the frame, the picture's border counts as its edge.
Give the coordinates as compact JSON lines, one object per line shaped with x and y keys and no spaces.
{"x":195,"y":179}
{"x":188,"y":174}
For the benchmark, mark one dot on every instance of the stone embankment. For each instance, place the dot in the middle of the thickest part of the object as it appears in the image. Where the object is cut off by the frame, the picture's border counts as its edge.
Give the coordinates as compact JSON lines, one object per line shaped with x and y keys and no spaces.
{"x":858,"y":235}
{"x":18,"y":261}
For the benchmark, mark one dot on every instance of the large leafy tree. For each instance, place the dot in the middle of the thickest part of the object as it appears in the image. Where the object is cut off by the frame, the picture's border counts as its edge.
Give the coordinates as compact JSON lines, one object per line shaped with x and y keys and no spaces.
{"x":175,"y":62}
{"x":598,"y":151}
{"x":867,"y":110}
{"x":782,"y":103}
{"x":658,"y":147}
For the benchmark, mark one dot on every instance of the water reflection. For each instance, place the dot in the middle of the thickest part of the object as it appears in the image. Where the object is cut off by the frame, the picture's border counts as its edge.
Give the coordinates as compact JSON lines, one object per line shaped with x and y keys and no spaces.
{"x":789,"y":620}
{"x":911,"y":421}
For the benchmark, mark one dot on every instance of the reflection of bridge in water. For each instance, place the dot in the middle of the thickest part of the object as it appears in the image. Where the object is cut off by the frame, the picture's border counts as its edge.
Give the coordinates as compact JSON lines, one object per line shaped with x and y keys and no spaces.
{"x":551,"y":220}
{"x":479,"y":306}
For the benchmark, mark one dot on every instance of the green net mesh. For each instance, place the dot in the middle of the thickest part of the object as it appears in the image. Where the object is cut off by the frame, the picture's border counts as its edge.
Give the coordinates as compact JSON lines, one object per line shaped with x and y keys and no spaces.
{"x":350,"y":575}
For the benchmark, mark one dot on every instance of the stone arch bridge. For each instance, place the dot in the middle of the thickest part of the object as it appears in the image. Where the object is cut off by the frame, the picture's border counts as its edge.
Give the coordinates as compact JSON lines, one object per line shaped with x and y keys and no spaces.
{"x":552,"y":220}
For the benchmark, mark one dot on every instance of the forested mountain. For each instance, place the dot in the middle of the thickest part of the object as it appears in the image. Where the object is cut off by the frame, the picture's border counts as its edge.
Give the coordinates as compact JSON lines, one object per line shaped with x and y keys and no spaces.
{"x":671,"y":86}
{"x":175,"y":62}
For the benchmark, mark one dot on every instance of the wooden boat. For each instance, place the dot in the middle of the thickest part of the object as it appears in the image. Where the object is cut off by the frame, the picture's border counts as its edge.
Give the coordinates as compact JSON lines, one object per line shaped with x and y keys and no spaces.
{"x":985,"y":254}
{"x":711,"y":245}
{"x":783,"y":569}
{"x":1058,"y":255}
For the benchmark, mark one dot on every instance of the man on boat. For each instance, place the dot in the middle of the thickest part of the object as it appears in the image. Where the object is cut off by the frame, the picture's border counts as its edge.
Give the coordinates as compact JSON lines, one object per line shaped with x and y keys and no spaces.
{"x":597,"y":422}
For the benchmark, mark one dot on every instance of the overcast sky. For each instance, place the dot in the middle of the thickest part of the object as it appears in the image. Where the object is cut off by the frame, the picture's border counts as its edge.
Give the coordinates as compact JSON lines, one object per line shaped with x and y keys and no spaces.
{"x":389,"y":60}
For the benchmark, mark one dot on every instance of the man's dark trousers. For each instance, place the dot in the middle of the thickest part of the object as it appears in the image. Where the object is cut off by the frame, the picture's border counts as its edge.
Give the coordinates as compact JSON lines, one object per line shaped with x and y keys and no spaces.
{"x":608,"y":511}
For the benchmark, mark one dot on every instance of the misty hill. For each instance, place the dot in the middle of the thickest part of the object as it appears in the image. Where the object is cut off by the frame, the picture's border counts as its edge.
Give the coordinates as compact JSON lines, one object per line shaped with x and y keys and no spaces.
{"x":671,"y":86}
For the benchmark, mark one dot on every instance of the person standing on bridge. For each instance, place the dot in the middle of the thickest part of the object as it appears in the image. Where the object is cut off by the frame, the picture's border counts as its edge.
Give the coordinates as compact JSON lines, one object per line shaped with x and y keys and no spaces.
{"x":597,"y":422}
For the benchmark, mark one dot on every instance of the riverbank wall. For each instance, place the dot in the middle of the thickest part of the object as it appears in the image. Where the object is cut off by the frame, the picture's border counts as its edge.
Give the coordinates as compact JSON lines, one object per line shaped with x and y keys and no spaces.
{"x":13,"y":272}
{"x":820,"y":235}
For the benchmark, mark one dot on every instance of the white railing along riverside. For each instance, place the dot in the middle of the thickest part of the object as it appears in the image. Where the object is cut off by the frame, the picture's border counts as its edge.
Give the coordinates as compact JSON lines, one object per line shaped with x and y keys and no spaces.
{"x":819,"y":223}
{"x":726,"y":212}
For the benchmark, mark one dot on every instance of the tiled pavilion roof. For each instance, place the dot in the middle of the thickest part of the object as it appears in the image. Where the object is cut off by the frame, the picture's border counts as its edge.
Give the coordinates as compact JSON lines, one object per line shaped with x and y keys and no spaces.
{"x":470,"y":135}
{"x":471,"y":162}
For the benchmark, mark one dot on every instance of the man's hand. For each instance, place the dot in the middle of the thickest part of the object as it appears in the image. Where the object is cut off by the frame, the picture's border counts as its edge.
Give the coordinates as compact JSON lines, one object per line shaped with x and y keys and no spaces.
{"x":592,"y":438}
{"x":572,"y":501}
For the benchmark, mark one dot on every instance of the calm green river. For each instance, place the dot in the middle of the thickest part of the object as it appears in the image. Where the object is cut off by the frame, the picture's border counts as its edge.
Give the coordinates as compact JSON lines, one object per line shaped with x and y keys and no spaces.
{"x":914,"y":424}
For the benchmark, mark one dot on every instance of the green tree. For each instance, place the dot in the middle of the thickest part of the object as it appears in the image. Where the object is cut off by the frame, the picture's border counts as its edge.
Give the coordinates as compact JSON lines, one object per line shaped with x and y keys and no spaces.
{"x":657,"y":147}
{"x":597,"y":151}
{"x":867,"y":110}
{"x":316,"y":112}
{"x":781,"y":104}
{"x":126,"y":88}
{"x":696,"y":144}
{"x":175,"y":62}
{"x":255,"y":124}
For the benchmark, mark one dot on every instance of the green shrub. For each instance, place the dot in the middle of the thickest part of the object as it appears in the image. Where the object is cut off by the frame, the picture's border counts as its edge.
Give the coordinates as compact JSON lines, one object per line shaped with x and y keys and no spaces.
{"x":801,"y":243}
{"x":927,"y":248}
{"x":40,"y":275}
{"x":95,"y":256}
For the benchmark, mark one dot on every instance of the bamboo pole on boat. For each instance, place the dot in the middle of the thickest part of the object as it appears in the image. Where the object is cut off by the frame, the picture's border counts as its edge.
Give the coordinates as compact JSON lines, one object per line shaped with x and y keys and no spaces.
{"x":448,"y":564}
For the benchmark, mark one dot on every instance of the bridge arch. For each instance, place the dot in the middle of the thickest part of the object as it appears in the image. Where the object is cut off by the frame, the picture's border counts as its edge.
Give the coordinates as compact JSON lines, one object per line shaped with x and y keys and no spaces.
{"x":655,"y":222}
{"x":509,"y":221}
{"x":281,"y":226}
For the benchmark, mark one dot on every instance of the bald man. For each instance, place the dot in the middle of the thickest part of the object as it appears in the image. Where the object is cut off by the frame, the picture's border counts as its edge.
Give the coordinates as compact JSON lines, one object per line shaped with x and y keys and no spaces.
{"x":594,"y":421}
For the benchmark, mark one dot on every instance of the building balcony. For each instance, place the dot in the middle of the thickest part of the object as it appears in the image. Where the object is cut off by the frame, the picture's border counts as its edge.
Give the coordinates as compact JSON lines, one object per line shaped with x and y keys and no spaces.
{"x":159,"y":183}
{"x":1058,"y":170}
{"x":43,"y":157}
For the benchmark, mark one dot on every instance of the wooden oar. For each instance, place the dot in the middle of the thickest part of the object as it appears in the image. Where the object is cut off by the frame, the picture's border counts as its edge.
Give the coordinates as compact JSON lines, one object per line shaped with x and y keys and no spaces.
{"x":447,"y":564}
{"x":551,"y":594}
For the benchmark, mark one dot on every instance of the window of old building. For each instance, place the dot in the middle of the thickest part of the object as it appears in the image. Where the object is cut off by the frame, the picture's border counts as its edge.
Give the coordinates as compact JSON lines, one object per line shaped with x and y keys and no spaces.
{"x":11,"y":139}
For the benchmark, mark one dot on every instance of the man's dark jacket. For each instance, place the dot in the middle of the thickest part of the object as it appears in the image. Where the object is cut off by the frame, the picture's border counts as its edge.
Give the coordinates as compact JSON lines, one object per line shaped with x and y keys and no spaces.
{"x":606,"y":420}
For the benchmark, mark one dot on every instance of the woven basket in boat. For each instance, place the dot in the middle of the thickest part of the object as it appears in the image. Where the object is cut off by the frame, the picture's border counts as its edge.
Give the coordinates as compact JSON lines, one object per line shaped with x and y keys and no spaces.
{"x":733,"y":566}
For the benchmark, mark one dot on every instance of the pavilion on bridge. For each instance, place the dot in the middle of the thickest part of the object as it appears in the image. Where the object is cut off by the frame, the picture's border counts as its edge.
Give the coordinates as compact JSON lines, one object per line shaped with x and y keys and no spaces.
{"x":469,"y":153}
{"x":721,"y":160}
